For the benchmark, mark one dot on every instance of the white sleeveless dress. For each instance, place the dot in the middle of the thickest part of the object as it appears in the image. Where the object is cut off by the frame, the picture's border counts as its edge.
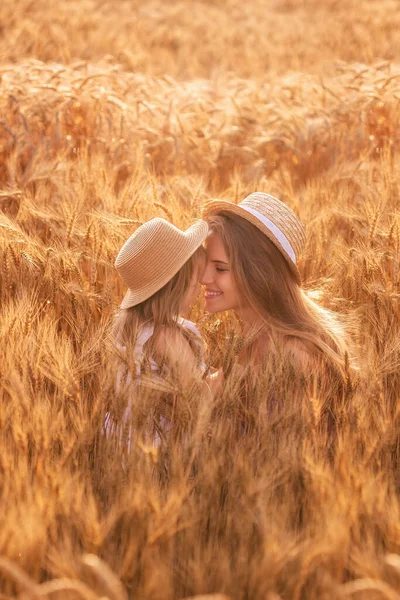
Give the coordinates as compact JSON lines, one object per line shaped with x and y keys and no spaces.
{"x":145,"y":333}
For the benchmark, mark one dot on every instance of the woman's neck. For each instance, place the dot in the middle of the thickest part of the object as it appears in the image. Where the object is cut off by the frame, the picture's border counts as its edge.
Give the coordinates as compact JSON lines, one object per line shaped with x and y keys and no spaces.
{"x":251,"y":321}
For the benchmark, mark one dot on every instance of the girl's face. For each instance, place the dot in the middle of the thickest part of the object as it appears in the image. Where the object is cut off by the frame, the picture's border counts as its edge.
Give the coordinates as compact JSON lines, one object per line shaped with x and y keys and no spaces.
{"x":221,"y":291}
{"x":194,"y":287}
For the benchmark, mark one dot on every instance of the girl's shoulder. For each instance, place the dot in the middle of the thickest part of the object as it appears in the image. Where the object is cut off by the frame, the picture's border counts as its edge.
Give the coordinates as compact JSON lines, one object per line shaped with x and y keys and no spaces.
{"x":171,"y":347}
{"x":169,"y":341}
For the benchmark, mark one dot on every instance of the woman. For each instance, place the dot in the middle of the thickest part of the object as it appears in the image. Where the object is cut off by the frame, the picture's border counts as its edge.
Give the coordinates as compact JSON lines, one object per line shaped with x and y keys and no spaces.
{"x":252,"y":255}
{"x":157,"y":347}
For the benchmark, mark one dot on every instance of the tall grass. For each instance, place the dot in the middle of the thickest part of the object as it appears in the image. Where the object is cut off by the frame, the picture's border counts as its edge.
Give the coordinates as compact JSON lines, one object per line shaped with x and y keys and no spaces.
{"x":113,"y":114}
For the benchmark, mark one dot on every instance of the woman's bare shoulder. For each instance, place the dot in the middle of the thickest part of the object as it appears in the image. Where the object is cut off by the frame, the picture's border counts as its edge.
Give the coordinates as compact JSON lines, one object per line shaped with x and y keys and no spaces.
{"x":286,"y":347}
{"x":298,"y":351}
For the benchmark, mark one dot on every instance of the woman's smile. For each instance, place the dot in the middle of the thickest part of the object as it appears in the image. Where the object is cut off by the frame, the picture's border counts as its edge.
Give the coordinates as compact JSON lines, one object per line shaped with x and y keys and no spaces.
{"x":211,"y":294}
{"x":220,"y":290}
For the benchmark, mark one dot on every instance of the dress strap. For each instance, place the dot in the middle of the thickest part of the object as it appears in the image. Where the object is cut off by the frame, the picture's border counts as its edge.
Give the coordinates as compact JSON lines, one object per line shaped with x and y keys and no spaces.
{"x":186,"y":324}
{"x":196,"y":341}
{"x":145,"y":332}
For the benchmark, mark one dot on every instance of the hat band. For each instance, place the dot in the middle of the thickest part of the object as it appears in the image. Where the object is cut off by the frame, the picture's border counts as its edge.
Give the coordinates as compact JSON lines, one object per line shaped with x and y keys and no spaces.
{"x":280,"y":236}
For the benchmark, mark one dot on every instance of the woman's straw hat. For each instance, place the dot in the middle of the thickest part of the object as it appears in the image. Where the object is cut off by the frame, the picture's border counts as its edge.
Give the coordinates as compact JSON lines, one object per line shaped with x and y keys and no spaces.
{"x":271,"y":216}
{"x":153,"y":255}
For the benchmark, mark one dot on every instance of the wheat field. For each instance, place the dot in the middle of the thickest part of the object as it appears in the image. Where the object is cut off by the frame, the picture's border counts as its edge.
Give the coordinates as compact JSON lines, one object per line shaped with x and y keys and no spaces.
{"x":114,"y":113}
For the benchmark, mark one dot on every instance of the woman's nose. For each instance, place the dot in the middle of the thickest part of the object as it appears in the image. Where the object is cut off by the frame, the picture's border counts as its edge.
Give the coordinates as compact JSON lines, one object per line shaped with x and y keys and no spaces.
{"x":206,"y":277}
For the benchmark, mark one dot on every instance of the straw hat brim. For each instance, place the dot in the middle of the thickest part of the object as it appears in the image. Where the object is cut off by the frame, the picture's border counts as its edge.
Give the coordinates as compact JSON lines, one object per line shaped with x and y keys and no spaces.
{"x":193,"y":239}
{"x":217,"y":206}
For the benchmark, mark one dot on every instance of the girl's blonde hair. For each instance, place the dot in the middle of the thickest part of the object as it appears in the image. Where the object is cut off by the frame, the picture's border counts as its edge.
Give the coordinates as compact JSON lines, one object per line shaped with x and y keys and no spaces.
{"x":162,"y":308}
{"x":268,"y":285}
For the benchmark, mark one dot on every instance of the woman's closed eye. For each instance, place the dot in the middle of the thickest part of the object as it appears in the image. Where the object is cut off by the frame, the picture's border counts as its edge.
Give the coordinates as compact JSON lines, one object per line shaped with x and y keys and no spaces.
{"x":220,"y":265}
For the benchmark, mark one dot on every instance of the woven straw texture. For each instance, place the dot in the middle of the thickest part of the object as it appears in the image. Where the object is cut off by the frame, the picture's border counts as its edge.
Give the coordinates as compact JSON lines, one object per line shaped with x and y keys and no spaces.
{"x":153,"y":255}
{"x":274,"y":210}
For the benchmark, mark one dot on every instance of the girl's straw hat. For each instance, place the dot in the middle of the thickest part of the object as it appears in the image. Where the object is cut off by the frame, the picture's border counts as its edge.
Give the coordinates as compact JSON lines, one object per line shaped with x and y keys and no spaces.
{"x":271,"y":216}
{"x":153,"y":255}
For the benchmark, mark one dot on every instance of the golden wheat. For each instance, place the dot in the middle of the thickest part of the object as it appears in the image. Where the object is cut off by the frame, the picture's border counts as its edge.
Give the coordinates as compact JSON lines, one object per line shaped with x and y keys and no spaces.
{"x":111,"y":114}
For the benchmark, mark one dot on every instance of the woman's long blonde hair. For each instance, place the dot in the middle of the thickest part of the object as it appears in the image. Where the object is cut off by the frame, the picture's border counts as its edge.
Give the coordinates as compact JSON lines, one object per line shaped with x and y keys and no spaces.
{"x":162,"y":308}
{"x":270,"y":288}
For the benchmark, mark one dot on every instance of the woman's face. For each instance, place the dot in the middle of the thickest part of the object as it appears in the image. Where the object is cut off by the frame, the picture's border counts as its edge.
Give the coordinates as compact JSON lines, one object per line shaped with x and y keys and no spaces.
{"x":194,"y":286}
{"x":221,"y":291}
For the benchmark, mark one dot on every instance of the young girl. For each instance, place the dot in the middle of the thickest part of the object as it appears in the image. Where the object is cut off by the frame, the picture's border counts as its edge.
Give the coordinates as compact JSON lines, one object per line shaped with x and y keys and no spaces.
{"x":157,"y":347}
{"x":252,"y":255}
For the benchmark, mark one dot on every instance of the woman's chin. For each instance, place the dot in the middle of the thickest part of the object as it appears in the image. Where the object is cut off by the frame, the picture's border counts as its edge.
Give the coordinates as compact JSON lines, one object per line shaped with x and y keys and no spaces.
{"x":212,"y":306}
